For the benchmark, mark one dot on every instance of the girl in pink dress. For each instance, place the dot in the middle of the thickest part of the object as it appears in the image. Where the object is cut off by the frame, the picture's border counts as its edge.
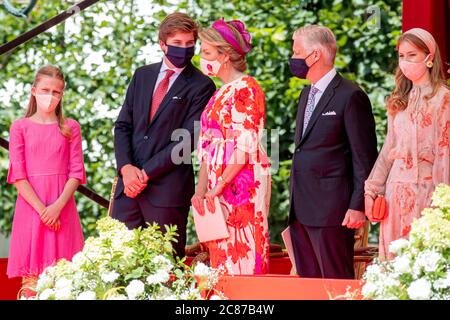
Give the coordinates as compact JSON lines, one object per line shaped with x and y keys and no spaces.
{"x":416,"y":155}
{"x":46,"y":166}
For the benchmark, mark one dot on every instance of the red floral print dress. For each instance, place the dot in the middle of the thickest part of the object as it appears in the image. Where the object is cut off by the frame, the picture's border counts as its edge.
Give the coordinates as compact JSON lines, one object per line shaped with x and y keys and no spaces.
{"x":235,"y":118}
{"x":414,"y":159}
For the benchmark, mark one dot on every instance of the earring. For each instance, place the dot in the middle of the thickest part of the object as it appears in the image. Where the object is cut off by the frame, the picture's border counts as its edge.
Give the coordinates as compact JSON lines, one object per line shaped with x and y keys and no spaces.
{"x":430,"y":64}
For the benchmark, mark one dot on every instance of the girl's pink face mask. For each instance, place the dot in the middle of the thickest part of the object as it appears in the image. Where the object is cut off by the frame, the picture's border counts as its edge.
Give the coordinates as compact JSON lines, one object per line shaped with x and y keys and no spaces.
{"x":48,"y":93}
{"x":47,"y":102}
{"x":414,"y":70}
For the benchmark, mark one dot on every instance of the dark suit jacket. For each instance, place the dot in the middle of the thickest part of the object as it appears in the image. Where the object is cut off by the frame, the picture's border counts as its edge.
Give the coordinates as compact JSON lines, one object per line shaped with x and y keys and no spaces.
{"x":334,"y":157}
{"x":149,"y":145}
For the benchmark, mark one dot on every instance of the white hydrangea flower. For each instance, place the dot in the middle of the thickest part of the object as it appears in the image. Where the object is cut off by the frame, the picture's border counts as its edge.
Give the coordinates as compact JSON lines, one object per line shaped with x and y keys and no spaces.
{"x":369,"y":289}
{"x":402,"y":264}
{"x":109,"y":277}
{"x":91,"y":284}
{"x":135,"y":289}
{"x":441,"y":197}
{"x":429,"y":260}
{"x":420,"y":290}
{"x":163,"y":263}
{"x":161,"y":276}
{"x":159,"y":259}
{"x":396,"y":246}
{"x":163,"y":294}
{"x":50,"y":270}
{"x":47,"y":294}
{"x":127,"y":252}
{"x":119,"y":240}
{"x":373,"y":269}
{"x":94,"y":250}
{"x":442,"y":283}
{"x":63,"y":283}
{"x":87,"y":295}
{"x":391,"y":282}
{"x":43,"y":282}
{"x":79,"y":259}
{"x":201,"y":270}
{"x":64,"y":293}
{"x":191,"y":294}
{"x":78,"y":278}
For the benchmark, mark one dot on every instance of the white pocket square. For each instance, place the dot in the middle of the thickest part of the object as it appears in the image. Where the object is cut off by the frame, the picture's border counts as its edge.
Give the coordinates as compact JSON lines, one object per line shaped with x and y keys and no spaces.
{"x":329,"y":113}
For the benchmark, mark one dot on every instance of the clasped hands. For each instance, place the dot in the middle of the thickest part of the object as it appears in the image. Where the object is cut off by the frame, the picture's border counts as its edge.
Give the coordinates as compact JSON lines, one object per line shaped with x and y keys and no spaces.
{"x":134,"y":180}
{"x":198,"y":199}
{"x":50,"y":215}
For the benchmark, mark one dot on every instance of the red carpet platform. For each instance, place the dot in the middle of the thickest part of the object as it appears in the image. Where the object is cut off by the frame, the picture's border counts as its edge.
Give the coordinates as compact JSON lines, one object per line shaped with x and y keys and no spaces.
{"x":277,"y":285}
{"x":284,"y":287}
{"x":8,"y":287}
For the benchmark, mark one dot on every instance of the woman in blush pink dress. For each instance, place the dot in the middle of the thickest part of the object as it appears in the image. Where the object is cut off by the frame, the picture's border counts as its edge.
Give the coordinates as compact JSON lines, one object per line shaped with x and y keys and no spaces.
{"x":46,"y":166}
{"x":415,"y":156}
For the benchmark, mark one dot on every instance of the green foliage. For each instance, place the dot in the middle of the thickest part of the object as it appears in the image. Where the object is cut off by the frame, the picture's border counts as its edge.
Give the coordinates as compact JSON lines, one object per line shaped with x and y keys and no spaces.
{"x":94,"y":96}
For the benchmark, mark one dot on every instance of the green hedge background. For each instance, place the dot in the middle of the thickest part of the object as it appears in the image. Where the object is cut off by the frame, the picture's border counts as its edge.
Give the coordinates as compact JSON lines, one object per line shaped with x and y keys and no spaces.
{"x":123,"y":36}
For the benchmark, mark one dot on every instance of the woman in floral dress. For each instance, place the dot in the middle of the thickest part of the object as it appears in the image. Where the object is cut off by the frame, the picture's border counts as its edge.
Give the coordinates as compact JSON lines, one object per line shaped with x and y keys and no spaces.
{"x":415,"y":156}
{"x":234,"y":165}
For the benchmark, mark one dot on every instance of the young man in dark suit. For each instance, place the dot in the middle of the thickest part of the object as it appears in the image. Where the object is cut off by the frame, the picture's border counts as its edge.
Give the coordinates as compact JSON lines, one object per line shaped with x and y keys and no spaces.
{"x":153,"y":185}
{"x":335,"y":149}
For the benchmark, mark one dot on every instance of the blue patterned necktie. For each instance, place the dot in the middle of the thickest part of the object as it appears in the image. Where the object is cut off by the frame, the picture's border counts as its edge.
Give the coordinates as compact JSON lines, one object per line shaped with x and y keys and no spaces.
{"x":309,"y":107}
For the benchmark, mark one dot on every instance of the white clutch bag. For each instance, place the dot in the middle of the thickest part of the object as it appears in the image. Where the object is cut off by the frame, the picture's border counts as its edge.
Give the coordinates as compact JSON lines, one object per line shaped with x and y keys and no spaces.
{"x":211,"y":226}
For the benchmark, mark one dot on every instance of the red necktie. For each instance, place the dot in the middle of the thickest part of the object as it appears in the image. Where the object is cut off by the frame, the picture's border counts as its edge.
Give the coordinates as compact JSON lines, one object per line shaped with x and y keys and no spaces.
{"x":160,"y":93}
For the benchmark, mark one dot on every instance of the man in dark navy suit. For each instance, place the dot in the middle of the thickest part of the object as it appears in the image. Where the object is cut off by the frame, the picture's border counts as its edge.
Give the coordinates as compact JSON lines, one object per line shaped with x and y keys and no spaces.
{"x":162,"y":98}
{"x":335,"y":149}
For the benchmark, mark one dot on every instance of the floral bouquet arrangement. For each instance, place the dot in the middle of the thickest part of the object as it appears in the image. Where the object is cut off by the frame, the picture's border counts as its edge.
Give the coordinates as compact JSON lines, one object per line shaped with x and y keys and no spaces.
{"x":421,"y":267}
{"x":122,"y":264}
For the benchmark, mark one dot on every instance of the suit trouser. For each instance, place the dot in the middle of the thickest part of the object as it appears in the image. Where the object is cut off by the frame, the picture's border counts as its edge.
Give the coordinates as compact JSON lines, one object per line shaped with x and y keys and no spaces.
{"x":323,"y":252}
{"x":137,"y":212}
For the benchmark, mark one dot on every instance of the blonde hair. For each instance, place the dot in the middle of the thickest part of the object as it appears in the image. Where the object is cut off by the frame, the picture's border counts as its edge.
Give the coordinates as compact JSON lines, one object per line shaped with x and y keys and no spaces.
{"x":212,"y":36}
{"x":320,"y":36}
{"x":398,"y":100}
{"x":53,"y":72}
